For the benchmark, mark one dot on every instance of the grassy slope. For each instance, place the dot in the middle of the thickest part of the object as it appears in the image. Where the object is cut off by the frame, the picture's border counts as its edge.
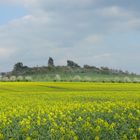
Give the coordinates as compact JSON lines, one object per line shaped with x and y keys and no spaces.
{"x":92,"y":76}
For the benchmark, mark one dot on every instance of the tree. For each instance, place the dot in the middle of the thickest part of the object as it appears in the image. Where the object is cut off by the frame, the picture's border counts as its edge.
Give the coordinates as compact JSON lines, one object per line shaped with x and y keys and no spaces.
{"x":28,"y":79}
{"x":57,"y":77}
{"x":77,"y":78}
{"x":20,"y":78}
{"x":18,"y":66}
{"x":19,"y":69}
{"x":72,"y":64}
{"x":50,"y":62}
{"x":12,"y":78}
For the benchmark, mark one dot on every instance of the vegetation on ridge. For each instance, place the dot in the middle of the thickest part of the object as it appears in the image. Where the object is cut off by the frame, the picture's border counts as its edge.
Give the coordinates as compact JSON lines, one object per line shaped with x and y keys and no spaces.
{"x":71,"y":72}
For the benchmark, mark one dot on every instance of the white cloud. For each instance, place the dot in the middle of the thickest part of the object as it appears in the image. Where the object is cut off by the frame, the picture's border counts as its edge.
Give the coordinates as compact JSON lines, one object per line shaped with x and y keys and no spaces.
{"x":24,"y":2}
{"x":118,"y":18}
{"x":113,"y":11}
{"x":6,"y":52}
{"x":30,"y":20}
{"x":103,"y":56}
{"x":94,"y":39}
{"x":51,"y":3}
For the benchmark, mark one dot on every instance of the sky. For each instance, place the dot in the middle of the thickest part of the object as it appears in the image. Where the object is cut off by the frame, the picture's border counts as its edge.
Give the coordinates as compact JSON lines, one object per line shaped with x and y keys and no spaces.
{"x":93,"y":32}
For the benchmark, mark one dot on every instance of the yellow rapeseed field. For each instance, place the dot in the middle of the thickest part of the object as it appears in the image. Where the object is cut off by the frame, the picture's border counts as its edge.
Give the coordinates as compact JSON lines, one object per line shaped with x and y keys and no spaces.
{"x":69,"y":111}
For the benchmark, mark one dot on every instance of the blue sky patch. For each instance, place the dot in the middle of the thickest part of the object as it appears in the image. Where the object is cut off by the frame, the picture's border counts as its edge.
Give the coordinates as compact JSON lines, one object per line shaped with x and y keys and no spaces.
{"x":8,"y":13}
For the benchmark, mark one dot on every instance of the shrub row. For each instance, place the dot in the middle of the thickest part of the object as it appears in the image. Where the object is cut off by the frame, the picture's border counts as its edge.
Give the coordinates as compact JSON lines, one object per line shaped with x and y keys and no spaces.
{"x":75,"y":78}
{"x":16,"y":79}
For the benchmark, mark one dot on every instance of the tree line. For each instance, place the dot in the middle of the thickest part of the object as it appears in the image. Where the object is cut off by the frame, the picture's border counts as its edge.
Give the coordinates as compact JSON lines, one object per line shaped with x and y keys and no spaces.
{"x":20,"y":69}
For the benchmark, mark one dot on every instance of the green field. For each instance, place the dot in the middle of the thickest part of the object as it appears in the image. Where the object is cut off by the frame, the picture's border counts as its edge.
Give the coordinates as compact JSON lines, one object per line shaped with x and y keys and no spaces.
{"x":69,"y":111}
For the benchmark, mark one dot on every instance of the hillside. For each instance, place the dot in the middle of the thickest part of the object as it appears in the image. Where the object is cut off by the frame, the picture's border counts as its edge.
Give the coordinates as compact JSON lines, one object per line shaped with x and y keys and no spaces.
{"x":71,"y":72}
